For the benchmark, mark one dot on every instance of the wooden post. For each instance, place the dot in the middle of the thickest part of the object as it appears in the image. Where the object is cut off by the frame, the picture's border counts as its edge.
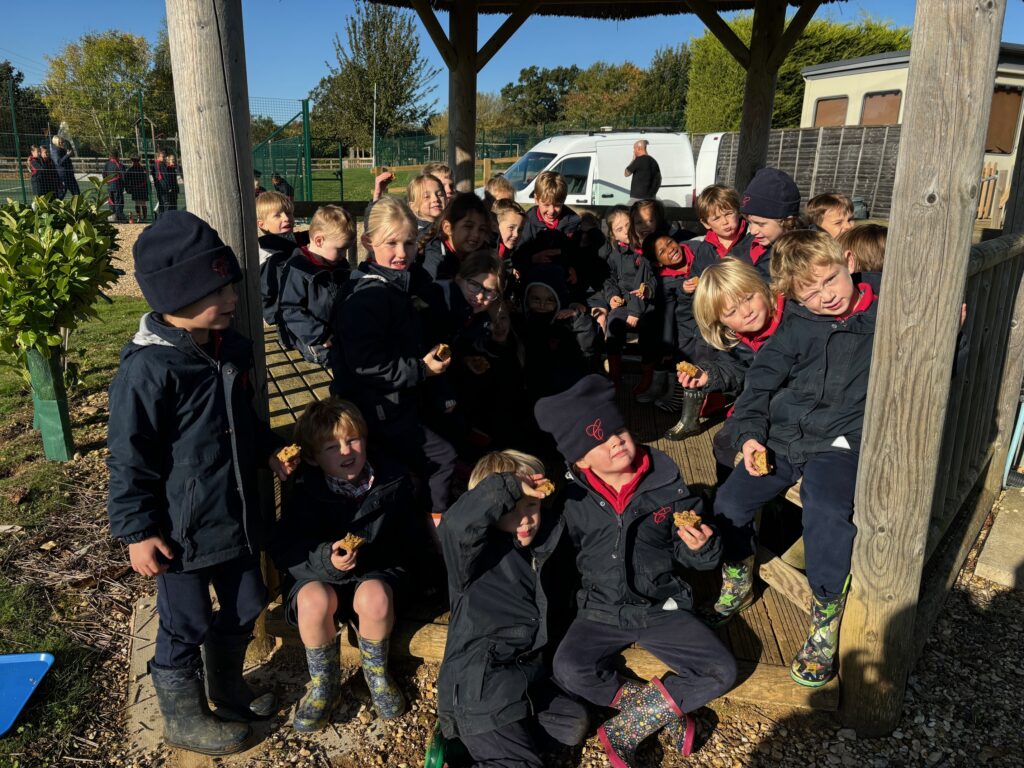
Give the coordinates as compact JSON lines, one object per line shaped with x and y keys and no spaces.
{"x":1013,"y":220}
{"x":212,"y":97}
{"x":462,"y":94}
{"x":952,"y":67}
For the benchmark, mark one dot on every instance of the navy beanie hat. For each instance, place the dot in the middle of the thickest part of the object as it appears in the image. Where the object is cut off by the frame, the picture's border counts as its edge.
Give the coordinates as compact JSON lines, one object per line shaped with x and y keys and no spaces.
{"x":180,"y":259}
{"x":771,"y":193}
{"x":582,"y":417}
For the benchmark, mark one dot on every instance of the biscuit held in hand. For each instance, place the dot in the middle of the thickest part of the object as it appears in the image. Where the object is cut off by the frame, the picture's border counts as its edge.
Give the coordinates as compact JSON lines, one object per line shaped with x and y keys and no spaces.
{"x":443,"y":352}
{"x":689,"y":517}
{"x":689,"y":369}
{"x":351,"y":542}
{"x":289,"y":453}
{"x":761,"y":463}
{"x":545,"y":486}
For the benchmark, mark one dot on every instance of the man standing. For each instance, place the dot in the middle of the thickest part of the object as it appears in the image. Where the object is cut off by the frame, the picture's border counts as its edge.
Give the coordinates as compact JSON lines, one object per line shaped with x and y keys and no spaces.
{"x":645,"y":172}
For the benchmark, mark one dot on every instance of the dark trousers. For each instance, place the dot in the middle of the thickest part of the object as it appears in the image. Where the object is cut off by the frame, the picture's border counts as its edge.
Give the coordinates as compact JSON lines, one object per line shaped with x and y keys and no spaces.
{"x":116,"y":194}
{"x":161,"y":202}
{"x":829,"y":481}
{"x":702,"y":667}
{"x":186,"y":613}
{"x":648,"y":330}
{"x":423,"y":451}
{"x":558,"y":719}
{"x":724,"y":450}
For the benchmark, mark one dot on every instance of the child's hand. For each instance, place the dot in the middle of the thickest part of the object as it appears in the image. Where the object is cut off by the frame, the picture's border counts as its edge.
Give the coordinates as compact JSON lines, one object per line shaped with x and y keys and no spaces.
{"x":615,"y":302}
{"x":342,"y":560}
{"x":749,"y":449}
{"x":143,"y":556}
{"x":281,"y":468}
{"x":690,"y":382}
{"x":380,"y":184}
{"x":537,"y":486}
{"x":695,"y":537}
{"x":632,"y":321}
{"x":689,"y":286}
{"x":567,"y":313}
{"x":435,"y":367}
{"x":963,"y":314}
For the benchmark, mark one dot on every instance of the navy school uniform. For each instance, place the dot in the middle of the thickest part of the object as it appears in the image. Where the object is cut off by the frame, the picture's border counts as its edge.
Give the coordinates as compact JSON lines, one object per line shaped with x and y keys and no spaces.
{"x":679,"y":331}
{"x":285,"y":189}
{"x":568,"y":224}
{"x":310,"y":289}
{"x":563,"y":236}
{"x":439,"y":258}
{"x":628,"y":271}
{"x":171,"y":178}
{"x":314,"y":517}
{"x":275,"y":250}
{"x":113,"y":173}
{"x":711,"y":250}
{"x":35,"y":171}
{"x":159,"y":173}
{"x":50,"y":177}
{"x":385,"y":320}
{"x":185,"y":445}
{"x":627,"y":548}
{"x":804,"y":400}
{"x":65,"y":166}
{"x":494,"y":684}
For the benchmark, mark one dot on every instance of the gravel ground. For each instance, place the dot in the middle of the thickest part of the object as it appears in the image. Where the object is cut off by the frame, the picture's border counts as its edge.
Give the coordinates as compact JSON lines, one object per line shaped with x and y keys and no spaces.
{"x":961,"y":709}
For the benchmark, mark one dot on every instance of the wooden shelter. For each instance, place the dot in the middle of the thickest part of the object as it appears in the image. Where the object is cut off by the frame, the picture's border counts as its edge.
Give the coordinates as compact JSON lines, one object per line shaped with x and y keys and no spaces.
{"x":934,"y":445}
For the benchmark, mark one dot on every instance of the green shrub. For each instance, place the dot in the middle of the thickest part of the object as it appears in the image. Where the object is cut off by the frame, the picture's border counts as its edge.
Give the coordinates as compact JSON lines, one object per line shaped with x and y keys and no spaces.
{"x":55,"y":262}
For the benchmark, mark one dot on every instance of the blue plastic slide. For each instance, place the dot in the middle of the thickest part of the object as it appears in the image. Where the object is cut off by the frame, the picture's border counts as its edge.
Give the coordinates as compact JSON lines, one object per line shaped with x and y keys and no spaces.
{"x":20,"y":673}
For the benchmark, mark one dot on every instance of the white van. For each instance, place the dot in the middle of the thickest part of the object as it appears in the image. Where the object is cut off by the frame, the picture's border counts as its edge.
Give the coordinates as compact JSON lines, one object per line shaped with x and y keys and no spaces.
{"x":594,"y":165}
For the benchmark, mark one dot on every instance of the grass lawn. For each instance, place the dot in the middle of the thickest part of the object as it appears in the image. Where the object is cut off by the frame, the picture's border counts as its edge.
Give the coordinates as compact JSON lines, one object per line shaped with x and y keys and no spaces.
{"x":40,"y":496}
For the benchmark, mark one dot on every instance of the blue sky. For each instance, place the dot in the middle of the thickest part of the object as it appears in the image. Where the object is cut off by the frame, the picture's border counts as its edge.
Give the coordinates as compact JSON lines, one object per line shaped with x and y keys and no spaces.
{"x":288,"y":41}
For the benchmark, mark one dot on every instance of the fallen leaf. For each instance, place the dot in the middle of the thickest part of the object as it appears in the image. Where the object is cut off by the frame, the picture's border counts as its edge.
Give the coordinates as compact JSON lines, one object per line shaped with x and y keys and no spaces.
{"x":11,"y":528}
{"x":48,"y":546}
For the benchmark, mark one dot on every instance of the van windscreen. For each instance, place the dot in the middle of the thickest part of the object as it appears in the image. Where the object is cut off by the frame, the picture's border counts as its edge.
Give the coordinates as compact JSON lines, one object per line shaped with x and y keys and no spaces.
{"x":527,"y":167}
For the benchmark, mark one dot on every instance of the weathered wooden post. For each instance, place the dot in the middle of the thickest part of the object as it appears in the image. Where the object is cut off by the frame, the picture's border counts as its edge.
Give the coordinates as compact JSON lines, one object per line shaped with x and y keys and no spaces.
{"x":949,"y":95}
{"x":462,"y":22}
{"x":212,"y":99}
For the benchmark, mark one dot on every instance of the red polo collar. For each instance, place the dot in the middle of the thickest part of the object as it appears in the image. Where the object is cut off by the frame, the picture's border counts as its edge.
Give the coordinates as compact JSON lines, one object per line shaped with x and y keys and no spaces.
{"x":620,"y":499}
{"x":316,"y":261}
{"x":755,"y":342}
{"x":867,"y":298}
{"x":542,"y":221}
{"x":720,"y":249}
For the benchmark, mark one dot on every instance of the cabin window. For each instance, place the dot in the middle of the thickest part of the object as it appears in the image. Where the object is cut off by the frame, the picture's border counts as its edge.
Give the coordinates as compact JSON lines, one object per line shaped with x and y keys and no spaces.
{"x":881,"y":108}
{"x":1002,"y":122}
{"x":830,"y":111}
{"x":575,"y":170}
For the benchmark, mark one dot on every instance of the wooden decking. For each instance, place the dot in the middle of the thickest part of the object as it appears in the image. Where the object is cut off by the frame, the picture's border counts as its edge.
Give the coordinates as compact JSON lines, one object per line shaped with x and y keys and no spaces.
{"x":764,"y":638}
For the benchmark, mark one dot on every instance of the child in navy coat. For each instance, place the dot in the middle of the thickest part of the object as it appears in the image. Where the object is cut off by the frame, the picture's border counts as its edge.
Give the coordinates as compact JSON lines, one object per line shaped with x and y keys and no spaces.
{"x":338,"y":492}
{"x":621,"y":515}
{"x":771,"y":206}
{"x":312,"y":282}
{"x":185,"y":446}
{"x":497,"y":545}
{"x":802,"y":413}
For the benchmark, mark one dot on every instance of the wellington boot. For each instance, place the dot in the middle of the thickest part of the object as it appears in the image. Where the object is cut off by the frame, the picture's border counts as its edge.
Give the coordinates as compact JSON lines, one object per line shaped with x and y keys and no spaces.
{"x":671,"y":400}
{"x":815,"y":664}
{"x":737,"y":593}
{"x":681,"y":731}
{"x":640,"y":715}
{"x":188,"y":722}
{"x":387,"y":697}
{"x":659,"y":383}
{"x":324,"y":693}
{"x":224,"y":657}
{"x":689,"y":419}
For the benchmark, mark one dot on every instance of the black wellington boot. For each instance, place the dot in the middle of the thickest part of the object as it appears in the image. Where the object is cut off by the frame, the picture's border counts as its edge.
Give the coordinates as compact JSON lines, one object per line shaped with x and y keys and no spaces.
{"x":188,"y":722}
{"x":689,"y":419}
{"x":224,"y":657}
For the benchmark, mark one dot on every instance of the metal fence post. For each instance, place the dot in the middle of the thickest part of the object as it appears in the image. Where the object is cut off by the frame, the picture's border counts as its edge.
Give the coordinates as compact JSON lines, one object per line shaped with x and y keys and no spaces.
{"x":341,"y":172}
{"x":17,"y":143}
{"x":145,"y":158}
{"x":307,"y":150}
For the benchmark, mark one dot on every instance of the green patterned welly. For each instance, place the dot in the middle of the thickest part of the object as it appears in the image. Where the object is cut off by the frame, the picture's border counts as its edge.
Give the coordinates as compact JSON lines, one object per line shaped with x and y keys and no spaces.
{"x":815,"y":663}
{"x":737,"y":592}
{"x":314,"y":711}
{"x":387,"y":697}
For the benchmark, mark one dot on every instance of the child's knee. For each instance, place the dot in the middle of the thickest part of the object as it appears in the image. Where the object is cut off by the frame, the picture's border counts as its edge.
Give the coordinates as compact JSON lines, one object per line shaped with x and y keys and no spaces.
{"x":372,"y":601}
{"x":725,"y":671}
{"x":316,"y":601}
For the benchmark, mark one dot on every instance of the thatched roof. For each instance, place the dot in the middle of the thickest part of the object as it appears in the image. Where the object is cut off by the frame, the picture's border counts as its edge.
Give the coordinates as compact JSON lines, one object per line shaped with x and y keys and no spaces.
{"x":594,"y":9}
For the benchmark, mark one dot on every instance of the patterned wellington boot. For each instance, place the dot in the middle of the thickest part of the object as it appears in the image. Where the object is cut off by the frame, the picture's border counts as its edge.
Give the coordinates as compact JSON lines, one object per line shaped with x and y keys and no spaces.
{"x":682,"y":731}
{"x":737,"y":593}
{"x":387,"y":697}
{"x":815,"y":663}
{"x":647,"y":712}
{"x":324,"y":693}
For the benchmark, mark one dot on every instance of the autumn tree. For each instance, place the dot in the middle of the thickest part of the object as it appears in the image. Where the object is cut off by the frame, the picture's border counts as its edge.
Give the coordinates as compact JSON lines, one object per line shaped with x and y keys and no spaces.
{"x":539,"y":94}
{"x":381,"y":48}
{"x":159,"y":89}
{"x":29,"y":109}
{"x":93,"y":86}
{"x":661,"y":96}
{"x":604,"y":94}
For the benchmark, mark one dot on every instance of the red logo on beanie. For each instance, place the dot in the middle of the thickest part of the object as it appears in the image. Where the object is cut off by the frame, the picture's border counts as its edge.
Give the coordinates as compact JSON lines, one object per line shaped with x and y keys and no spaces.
{"x":746,"y":199}
{"x":221,"y":267}
{"x":595,"y":431}
{"x":661,"y":514}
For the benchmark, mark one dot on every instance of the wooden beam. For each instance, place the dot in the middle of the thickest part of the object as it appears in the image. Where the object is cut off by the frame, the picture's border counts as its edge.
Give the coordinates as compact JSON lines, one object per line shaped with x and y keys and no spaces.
{"x":796,"y":27}
{"x":504,"y":32}
{"x":759,"y":90}
{"x":436,"y":32}
{"x":704,"y":11}
{"x":784,"y":579}
{"x":462,"y":95}
{"x":948,"y":100}
{"x":212,"y":96}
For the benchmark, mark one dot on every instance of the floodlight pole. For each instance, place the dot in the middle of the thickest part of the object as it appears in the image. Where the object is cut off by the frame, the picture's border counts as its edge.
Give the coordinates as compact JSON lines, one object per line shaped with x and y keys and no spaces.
{"x":374,"y":150}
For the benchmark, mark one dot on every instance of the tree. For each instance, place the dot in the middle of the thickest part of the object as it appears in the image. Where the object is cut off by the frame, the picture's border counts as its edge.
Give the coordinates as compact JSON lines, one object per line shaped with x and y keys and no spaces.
{"x":604,"y":94}
{"x":93,"y":85}
{"x":383,"y":49}
{"x":28,"y":107}
{"x":491,"y":115}
{"x":159,"y":89}
{"x":539,"y":96}
{"x":661,"y":97}
{"x":715,"y":94}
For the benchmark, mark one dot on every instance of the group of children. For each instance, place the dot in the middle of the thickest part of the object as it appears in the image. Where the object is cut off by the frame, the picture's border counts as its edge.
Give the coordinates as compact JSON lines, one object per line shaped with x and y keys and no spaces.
{"x":468,"y":352}
{"x":52,"y":173}
{"x":135,"y":180}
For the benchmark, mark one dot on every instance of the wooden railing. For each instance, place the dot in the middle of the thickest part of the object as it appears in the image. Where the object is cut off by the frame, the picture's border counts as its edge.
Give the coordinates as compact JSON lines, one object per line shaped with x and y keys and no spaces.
{"x":995,"y":191}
